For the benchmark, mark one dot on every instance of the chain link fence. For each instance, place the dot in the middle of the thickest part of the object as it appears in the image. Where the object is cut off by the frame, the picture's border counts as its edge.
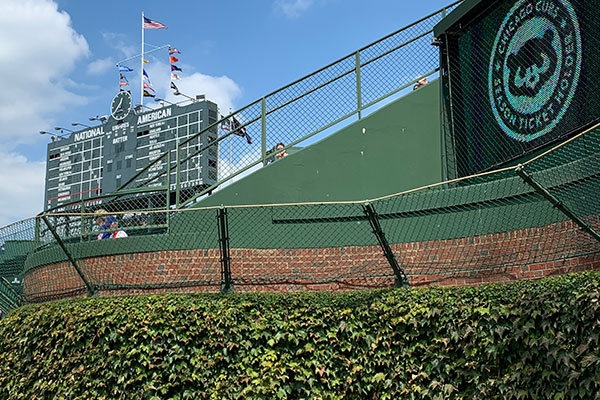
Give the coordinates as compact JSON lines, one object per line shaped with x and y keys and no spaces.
{"x":248,"y":138}
{"x":16,"y":242}
{"x":532,"y":68}
{"x":520,"y":222}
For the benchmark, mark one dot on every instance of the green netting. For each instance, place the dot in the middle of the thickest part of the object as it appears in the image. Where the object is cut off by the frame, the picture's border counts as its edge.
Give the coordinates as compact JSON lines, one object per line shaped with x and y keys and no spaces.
{"x":319,"y":102}
{"x":519,"y":222}
{"x":532,"y":68}
{"x":16,"y":242}
{"x":522,"y":222}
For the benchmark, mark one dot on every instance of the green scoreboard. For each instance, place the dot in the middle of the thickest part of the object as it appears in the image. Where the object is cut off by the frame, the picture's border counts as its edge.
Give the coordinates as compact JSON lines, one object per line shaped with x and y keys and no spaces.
{"x":100,"y":159}
{"x":517,"y":76}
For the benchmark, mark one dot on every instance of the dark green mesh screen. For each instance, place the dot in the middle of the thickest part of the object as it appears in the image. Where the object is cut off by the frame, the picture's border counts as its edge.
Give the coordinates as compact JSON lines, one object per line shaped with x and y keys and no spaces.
{"x":519,"y":76}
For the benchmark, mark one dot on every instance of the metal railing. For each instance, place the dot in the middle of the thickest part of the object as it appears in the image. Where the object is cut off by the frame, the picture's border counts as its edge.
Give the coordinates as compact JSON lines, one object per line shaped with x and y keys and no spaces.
{"x":317,"y":103}
{"x":516,"y":222}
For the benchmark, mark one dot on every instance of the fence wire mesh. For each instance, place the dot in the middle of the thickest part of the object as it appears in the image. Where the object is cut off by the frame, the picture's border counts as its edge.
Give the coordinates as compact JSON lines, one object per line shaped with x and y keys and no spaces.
{"x":521,"y":222}
{"x":532,"y":69}
{"x":16,"y":242}
{"x":204,"y":159}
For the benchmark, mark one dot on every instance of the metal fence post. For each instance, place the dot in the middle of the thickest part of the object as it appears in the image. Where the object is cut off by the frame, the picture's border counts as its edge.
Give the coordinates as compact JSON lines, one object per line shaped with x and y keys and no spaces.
{"x":556,"y":202}
{"x":37,"y":232}
{"x":177,"y":175}
{"x":90,"y":288}
{"x":223,"y":226}
{"x":263,"y":130}
{"x":168,"y":199}
{"x":83,"y":230}
{"x":401,"y":279}
{"x":358,"y":85}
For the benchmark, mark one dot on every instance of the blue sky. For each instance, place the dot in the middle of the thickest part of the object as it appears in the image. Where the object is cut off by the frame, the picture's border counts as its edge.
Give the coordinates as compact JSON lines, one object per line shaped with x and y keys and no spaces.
{"x":57,"y":61}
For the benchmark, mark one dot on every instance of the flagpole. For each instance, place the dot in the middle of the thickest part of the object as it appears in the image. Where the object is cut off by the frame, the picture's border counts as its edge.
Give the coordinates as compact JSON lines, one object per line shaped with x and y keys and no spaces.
{"x":142,"y":66}
{"x":230,"y":145}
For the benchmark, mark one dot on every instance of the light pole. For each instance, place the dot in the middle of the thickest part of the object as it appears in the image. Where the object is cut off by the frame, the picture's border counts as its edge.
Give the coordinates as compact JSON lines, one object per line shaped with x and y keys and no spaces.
{"x":102,"y":118}
{"x":178,"y":93}
{"x":54,"y":135}
{"x":140,"y":108}
{"x":58,"y":128}
{"x":79,"y":123}
{"x":158,"y":99}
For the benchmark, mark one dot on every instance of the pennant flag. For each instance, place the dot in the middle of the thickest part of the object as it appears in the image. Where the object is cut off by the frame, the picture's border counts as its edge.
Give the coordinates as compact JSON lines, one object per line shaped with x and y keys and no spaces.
{"x":148,"y":87}
{"x":239,"y":130}
{"x":148,"y":94}
{"x":175,"y":76}
{"x":124,"y":68}
{"x":146,"y":61}
{"x":173,"y":59}
{"x":174,"y":87}
{"x":145,"y":74}
{"x":225,"y":125}
{"x":149,"y":24}
{"x":123,"y":80}
{"x":173,"y":50}
{"x":175,"y":68}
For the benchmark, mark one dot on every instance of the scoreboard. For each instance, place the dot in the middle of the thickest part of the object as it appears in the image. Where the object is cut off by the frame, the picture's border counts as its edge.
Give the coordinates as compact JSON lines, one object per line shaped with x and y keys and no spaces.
{"x":517,"y":76}
{"x":100,"y":159}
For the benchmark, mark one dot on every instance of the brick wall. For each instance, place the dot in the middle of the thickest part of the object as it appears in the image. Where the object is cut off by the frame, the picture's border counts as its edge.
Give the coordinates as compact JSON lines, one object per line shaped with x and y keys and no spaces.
{"x":501,"y":257}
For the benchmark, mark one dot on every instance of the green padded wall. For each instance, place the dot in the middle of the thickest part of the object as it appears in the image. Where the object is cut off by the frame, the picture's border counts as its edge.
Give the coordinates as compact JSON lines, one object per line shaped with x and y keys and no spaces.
{"x":399,"y":150}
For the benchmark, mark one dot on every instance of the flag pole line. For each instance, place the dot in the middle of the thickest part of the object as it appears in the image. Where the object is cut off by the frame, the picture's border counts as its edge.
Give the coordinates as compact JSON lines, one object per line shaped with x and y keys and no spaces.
{"x":142,"y":66}
{"x":145,"y":52}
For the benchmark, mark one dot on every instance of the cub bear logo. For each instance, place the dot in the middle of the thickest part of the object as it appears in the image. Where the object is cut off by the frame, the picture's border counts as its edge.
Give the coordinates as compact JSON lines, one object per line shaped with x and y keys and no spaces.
{"x":534,"y":67}
{"x":533,"y":63}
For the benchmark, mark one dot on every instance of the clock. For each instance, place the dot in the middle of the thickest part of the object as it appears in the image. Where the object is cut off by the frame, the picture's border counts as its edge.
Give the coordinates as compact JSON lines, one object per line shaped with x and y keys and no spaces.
{"x":121,"y":105}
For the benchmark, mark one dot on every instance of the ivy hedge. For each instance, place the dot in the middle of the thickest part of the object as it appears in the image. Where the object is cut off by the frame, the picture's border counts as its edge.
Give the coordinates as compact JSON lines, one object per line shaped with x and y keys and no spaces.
{"x":529,"y":339}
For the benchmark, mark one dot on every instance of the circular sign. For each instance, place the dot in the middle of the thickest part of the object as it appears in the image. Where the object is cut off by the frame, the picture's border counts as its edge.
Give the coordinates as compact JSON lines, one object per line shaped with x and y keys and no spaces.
{"x":121,"y":105}
{"x":534,"y":67}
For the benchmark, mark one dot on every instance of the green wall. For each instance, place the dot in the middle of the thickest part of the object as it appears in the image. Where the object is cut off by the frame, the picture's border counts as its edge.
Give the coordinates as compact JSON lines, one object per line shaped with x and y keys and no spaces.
{"x":399,"y":150}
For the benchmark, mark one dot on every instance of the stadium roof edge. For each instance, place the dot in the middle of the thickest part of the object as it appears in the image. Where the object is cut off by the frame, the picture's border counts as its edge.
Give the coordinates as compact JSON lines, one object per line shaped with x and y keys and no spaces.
{"x":464,"y":9}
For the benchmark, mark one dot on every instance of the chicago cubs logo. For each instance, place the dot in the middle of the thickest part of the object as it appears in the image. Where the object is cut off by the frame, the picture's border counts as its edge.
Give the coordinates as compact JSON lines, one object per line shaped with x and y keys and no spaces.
{"x":534,"y":67}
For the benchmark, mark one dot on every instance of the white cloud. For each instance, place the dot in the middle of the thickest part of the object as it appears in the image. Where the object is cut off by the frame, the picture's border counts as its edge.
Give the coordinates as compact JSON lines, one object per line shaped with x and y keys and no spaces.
{"x":39,"y":48}
{"x":121,"y":43}
{"x":100,"y":66}
{"x":21,"y":193}
{"x":219,"y":89}
{"x":227,"y":167}
{"x":293,"y":8}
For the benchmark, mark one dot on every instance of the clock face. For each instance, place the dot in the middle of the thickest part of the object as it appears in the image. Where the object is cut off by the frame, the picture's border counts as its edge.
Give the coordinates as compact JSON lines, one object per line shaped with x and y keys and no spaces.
{"x":121,"y":105}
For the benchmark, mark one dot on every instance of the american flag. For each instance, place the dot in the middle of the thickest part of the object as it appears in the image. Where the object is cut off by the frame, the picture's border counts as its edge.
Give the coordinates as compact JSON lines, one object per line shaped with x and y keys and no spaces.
{"x":225,"y":125}
{"x":149,"y":24}
{"x":240,"y":130}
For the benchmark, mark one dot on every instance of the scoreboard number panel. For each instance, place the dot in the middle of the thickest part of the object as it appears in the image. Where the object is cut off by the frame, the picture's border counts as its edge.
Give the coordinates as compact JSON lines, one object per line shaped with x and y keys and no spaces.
{"x":99,"y":159}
